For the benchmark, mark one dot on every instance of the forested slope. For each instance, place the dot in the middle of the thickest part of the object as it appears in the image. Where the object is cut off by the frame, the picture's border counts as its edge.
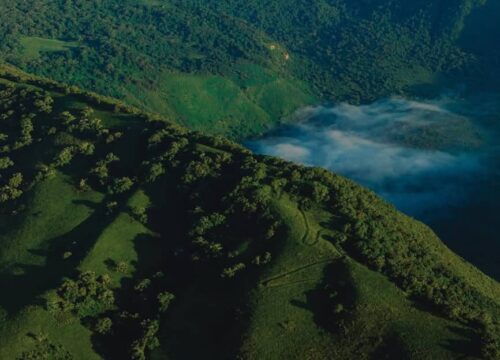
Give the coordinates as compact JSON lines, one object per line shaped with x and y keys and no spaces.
{"x":124,"y":236}
{"x":236,"y":55}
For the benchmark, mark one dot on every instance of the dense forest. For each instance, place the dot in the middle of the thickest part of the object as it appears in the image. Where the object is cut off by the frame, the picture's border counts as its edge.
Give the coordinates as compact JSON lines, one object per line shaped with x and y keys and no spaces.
{"x":171,"y":243}
{"x":297,"y":52}
{"x":133,"y":227}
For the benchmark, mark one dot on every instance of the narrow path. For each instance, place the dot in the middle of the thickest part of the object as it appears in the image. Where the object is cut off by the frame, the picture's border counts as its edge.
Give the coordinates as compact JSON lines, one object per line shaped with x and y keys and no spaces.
{"x":265,"y":282}
{"x":306,"y":224}
{"x":308,"y":231}
{"x":281,"y":284}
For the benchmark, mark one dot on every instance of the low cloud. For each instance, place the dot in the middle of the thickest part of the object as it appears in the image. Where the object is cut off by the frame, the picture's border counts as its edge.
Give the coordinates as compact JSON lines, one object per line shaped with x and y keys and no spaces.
{"x":421,"y":156}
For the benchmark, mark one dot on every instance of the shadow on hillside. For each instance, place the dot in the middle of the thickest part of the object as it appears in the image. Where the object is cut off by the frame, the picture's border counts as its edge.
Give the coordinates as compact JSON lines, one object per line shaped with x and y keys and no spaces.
{"x":331,"y":300}
{"x":149,"y":261}
{"x":468,"y":345}
{"x":392,"y":347}
{"x":19,"y":290}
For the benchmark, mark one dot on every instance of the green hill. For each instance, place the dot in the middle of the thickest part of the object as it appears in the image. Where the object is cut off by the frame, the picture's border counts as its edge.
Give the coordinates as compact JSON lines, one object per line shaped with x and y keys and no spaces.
{"x":124,"y":236}
{"x":214,"y":65}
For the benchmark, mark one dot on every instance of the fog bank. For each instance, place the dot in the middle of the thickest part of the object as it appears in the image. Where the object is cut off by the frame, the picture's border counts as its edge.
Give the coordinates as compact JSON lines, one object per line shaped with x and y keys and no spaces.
{"x":434,"y":160}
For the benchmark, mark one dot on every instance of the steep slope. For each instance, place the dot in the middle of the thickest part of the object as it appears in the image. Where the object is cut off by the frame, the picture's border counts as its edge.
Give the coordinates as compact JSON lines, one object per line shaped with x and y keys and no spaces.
{"x":157,"y":54}
{"x":125,"y":236}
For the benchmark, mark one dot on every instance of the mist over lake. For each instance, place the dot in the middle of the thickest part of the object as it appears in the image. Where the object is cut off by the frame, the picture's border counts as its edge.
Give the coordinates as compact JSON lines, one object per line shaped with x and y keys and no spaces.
{"x":434,"y":160}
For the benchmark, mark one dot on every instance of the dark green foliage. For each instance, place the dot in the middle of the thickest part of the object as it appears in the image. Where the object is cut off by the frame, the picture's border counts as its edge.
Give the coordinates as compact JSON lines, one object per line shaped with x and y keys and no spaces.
{"x":164,"y":300}
{"x":45,"y":350}
{"x":218,"y":222}
{"x":88,"y":295}
{"x":343,"y":50}
{"x":490,"y":340}
{"x":5,"y":162}
{"x":140,"y":213}
{"x":121,"y":185}
{"x":103,"y":326}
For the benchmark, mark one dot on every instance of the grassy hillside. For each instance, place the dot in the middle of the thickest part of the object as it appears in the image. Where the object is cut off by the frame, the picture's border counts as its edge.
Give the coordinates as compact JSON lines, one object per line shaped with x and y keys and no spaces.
{"x":127,"y":237}
{"x":173,"y":57}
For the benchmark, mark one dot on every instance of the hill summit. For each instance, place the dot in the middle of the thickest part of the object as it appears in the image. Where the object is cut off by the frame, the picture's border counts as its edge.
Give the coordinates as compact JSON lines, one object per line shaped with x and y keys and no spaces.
{"x":124,"y":236}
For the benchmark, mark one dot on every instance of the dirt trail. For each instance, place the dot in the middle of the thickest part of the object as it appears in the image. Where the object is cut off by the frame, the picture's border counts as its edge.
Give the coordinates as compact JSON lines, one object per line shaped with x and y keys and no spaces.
{"x":265,"y":282}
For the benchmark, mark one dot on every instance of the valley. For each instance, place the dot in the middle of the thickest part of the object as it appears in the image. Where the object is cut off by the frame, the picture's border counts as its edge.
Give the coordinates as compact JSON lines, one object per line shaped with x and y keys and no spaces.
{"x":250,"y":180}
{"x":434,"y":160}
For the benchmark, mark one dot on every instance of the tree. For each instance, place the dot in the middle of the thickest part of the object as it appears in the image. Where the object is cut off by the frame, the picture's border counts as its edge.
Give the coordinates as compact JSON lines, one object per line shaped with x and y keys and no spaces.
{"x":320,"y":192}
{"x":139,"y":213}
{"x":111,"y":207}
{"x":231,"y":272}
{"x":121,"y":267}
{"x":66,"y":117}
{"x":155,"y":170}
{"x":10,"y":191}
{"x":121,"y":185}
{"x":164,"y":300}
{"x":64,"y":157}
{"x":86,"y":148}
{"x":103,"y":326}
{"x":148,"y":339}
{"x":5,"y":162}
{"x":142,"y":285}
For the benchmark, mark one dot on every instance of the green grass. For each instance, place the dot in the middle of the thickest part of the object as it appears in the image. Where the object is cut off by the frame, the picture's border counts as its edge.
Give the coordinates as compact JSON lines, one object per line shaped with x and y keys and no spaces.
{"x":124,"y":240}
{"x":212,"y":101}
{"x":319,"y":296}
{"x":236,"y":106}
{"x":16,"y":335}
{"x":32,"y":46}
{"x":380,"y":311}
{"x":282,"y":325}
{"x":28,"y":267}
{"x":30,"y":242}
{"x":288,"y":319}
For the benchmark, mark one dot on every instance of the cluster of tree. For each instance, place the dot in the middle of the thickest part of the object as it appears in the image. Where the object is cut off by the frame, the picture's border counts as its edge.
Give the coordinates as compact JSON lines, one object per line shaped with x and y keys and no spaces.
{"x":20,"y":113}
{"x":345,"y":50}
{"x":405,"y":254}
{"x":137,"y":320}
{"x":87,"y":295}
{"x":29,"y":122}
{"x":212,"y":208}
{"x":45,"y":349}
{"x":128,"y":318}
{"x":490,"y":341}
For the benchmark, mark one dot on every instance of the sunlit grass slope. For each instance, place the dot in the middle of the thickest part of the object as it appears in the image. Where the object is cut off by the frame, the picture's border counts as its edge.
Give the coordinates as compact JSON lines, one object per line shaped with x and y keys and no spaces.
{"x":124,"y":236}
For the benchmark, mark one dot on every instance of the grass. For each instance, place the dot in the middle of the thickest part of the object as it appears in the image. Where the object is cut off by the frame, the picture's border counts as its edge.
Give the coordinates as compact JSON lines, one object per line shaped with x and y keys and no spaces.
{"x":247,"y":102}
{"x":237,"y":106}
{"x":288,"y":318}
{"x":380,"y":310}
{"x":124,"y":240}
{"x":16,"y":335}
{"x":28,"y":268}
{"x":282,"y":325}
{"x":312,"y":301}
{"x":33,"y":46}
{"x":278,"y":96}
{"x":28,"y":242}
{"x":212,"y":101}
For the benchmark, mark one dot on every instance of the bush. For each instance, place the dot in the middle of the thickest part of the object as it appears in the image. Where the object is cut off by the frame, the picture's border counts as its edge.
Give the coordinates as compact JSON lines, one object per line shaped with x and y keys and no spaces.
{"x":103,"y":326}
{"x":5,"y":162}
{"x":164,"y":300}
{"x":139,"y":213}
{"x":121,"y":185}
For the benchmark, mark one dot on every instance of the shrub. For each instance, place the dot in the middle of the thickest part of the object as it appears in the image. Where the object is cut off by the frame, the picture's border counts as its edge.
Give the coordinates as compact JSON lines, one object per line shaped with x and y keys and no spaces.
{"x":164,"y":300}
{"x":5,"y":162}
{"x":121,"y":185}
{"x":103,"y":326}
